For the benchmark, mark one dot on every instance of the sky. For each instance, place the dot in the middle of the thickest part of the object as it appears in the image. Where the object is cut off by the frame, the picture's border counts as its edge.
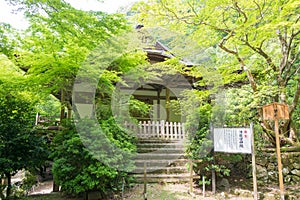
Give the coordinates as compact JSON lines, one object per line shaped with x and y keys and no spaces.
{"x":18,"y":21}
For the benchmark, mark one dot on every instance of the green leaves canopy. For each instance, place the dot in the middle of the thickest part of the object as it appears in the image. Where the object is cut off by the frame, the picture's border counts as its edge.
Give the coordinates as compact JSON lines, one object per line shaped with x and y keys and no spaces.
{"x":260,"y":38}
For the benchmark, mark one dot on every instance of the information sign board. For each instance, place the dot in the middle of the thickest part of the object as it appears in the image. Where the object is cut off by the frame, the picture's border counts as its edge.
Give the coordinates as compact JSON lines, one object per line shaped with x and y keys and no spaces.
{"x":232,"y":140}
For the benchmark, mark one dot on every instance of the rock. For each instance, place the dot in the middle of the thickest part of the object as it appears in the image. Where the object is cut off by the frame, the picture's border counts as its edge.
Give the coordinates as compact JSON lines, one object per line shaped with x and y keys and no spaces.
{"x":296,"y":172}
{"x":225,"y":184}
{"x":288,"y":179}
{"x":262,"y":161}
{"x":296,"y":165}
{"x":261,"y":172}
{"x":292,"y":197}
{"x":94,"y":195}
{"x":272,"y":175}
{"x":271,"y":196}
{"x":271,"y":167}
{"x":243,"y":193}
{"x":285,"y":171}
{"x":296,"y":179}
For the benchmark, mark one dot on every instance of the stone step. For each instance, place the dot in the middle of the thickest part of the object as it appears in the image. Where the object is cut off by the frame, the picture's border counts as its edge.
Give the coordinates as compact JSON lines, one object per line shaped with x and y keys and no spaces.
{"x":161,"y":170}
{"x":165,"y":161}
{"x":160,"y":145}
{"x":165,"y":178}
{"x":157,"y":141}
{"x":161,"y":150}
{"x":161,"y":163}
{"x":158,"y":156}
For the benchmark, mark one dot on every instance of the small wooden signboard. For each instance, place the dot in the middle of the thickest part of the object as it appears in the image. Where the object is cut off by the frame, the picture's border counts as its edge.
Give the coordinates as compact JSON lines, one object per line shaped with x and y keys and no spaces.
{"x":275,"y":110}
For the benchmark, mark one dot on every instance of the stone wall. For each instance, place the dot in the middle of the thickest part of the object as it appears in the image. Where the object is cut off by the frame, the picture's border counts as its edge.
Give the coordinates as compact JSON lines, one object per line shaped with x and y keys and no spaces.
{"x":267,"y":171}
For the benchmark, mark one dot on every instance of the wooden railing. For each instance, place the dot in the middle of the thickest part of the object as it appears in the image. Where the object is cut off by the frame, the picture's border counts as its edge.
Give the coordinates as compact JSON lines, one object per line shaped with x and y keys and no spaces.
{"x":158,"y":129}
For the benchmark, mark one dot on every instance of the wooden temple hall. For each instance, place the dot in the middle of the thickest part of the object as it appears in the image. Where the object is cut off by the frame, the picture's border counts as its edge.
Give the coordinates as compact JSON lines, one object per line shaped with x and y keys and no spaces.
{"x":164,"y":119}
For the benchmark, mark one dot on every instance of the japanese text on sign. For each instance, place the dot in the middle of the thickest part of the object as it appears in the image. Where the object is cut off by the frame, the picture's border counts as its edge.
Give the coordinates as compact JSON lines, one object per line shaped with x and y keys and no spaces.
{"x":232,"y":140}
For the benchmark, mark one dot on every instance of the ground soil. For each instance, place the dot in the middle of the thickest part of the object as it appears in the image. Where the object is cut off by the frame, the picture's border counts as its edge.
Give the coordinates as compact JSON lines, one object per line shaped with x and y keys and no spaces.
{"x":240,"y":189}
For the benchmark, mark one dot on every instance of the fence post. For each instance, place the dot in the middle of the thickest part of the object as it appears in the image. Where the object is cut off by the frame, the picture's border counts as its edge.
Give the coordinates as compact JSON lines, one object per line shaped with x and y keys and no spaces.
{"x":171,"y":130}
{"x":167,"y":130}
{"x":149,"y":129}
{"x":157,"y":129}
{"x":144,"y":129}
{"x":203,"y":186}
{"x":183,"y":130}
{"x":191,"y":176}
{"x":179,"y":131}
{"x":162,"y":128}
{"x":139,"y":132}
{"x":145,"y":181}
{"x":175,"y":131}
{"x":153,"y":126}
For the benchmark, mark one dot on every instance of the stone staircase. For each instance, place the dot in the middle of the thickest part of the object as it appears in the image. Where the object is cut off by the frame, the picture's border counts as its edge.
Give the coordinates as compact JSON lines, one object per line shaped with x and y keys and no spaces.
{"x":163,"y":160}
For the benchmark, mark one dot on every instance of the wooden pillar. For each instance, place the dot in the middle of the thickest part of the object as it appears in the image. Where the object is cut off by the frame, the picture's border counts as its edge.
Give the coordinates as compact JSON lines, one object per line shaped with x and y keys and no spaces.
{"x":279,"y":160}
{"x":145,"y":181}
{"x":213,"y":172}
{"x":168,"y":104}
{"x":158,"y":104}
{"x":9,"y":184}
{"x":55,"y":186}
{"x":255,"y":193}
{"x":62,"y":107}
{"x":69,"y":116}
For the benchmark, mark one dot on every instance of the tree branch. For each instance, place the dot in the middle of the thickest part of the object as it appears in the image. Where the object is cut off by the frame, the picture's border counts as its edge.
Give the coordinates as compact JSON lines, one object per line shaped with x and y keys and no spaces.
{"x":262,"y":53}
{"x":284,"y":50}
{"x":289,"y":74}
{"x":184,"y":19}
{"x":259,"y":8}
{"x":296,"y":98}
{"x":223,"y":20}
{"x":293,"y":53}
{"x":193,"y":23}
{"x":237,"y":8}
{"x":193,"y":8}
{"x":241,"y":61}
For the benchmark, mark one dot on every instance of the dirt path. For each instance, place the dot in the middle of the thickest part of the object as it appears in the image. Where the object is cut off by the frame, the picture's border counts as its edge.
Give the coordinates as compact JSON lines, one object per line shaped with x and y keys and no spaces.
{"x":159,"y":192}
{"x":154,"y":192}
{"x":175,"y":192}
{"x":42,"y":188}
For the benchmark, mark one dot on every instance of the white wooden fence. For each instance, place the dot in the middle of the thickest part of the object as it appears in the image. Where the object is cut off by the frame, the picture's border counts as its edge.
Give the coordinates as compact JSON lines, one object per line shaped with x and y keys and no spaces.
{"x":158,"y":129}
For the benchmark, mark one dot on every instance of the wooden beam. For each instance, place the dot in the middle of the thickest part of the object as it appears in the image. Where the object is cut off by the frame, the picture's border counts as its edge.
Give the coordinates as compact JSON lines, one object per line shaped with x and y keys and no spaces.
{"x":141,"y":97}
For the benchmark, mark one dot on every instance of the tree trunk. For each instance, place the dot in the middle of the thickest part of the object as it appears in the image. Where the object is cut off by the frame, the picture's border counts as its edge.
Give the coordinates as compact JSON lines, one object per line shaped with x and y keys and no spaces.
{"x":86,"y":195}
{"x":291,"y":134}
{"x":287,"y":133}
{"x":62,"y":108}
{"x":62,"y":116}
{"x":55,"y":186}
{"x":8,"y":191}
{"x":69,"y":106}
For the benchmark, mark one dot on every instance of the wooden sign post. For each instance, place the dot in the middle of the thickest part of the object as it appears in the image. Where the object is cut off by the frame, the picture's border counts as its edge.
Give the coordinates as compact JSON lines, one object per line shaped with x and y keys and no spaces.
{"x":276,"y":111}
{"x":235,"y":140}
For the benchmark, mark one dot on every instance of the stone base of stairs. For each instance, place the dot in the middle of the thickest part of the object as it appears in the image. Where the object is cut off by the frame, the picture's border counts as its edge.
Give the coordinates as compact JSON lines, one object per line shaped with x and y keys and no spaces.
{"x":163,"y":160}
{"x":164,"y":178}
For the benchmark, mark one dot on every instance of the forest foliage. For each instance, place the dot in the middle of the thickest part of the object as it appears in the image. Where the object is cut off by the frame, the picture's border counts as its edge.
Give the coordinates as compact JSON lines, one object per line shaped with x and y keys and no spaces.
{"x":245,"y":54}
{"x":254,"y":43}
